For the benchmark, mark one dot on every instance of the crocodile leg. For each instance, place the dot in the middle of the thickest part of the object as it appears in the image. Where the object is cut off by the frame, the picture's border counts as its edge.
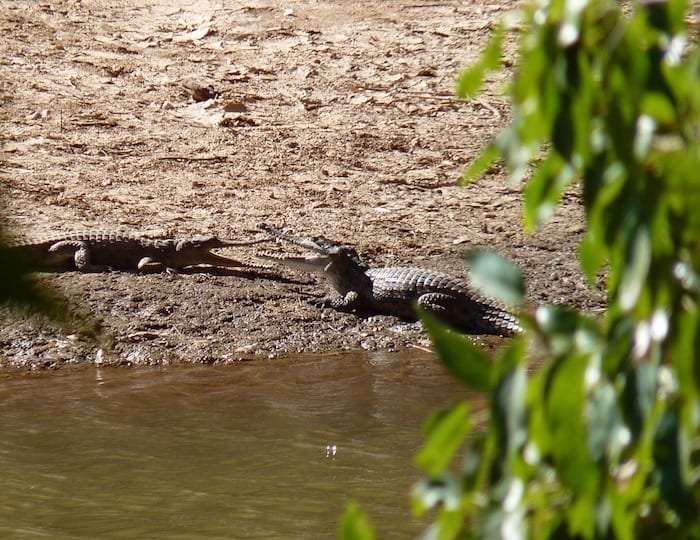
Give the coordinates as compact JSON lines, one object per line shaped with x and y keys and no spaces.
{"x":78,"y":251}
{"x":347,"y":303}
{"x":446,"y":308}
{"x":148,"y":265}
{"x":435,"y":303}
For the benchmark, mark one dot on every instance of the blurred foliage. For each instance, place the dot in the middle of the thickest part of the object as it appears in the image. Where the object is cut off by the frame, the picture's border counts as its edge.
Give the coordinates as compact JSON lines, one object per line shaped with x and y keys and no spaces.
{"x":20,"y":290}
{"x":354,"y":525}
{"x":24,"y":294}
{"x":600,"y":439}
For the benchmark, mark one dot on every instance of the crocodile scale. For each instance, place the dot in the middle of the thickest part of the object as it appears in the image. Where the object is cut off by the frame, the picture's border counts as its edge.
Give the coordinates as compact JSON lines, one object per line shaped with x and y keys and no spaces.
{"x":95,"y":251}
{"x":395,"y":290}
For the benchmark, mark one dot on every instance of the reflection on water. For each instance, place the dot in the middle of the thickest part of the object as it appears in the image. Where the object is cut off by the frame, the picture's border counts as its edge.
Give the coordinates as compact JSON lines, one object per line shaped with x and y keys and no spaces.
{"x":216,"y":452}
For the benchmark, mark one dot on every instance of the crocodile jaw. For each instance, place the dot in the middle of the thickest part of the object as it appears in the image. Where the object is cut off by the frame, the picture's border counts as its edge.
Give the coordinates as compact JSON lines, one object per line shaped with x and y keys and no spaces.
{"x":213,"y":259}
{"x":311,"y":263}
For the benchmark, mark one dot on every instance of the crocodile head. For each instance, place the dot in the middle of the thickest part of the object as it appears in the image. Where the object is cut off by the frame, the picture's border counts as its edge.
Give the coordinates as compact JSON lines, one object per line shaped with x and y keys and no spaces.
{"x":202,"y":243}
{"x":344,"y":269}
{"x":197,"y":250}
{"x":335,"y":251}
{"x":339,"y":262}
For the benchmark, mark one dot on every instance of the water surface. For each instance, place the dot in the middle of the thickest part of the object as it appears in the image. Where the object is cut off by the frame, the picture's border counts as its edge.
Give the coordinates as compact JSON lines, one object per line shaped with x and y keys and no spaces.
{"x":216,"y":452}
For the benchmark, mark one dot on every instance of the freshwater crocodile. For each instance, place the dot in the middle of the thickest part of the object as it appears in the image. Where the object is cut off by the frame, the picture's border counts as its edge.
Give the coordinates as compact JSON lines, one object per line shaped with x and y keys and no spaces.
{"x":97,"y":251}
{"x":395,"y":290}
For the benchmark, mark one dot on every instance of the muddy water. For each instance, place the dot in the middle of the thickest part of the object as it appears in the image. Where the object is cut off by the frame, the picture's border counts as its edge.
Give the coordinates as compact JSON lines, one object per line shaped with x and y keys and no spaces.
{"x":216,"y":452}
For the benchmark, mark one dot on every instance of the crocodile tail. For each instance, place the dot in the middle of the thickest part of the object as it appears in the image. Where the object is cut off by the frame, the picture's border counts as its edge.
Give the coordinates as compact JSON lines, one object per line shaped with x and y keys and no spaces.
{"x":501,"y":323}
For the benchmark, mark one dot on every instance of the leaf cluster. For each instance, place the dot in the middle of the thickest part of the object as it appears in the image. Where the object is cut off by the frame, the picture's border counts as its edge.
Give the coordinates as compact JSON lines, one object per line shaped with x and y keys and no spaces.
{"x":597,"y":435}
{"x":18,"y":289}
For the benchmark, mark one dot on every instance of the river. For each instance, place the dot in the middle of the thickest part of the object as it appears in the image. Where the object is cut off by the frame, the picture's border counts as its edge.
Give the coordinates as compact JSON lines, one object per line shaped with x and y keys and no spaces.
{"x":263,"y":449}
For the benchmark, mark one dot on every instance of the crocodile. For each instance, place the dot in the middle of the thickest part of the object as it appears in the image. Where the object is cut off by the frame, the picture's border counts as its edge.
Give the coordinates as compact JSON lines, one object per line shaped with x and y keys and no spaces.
{"x":99,"y":251}
{"x":394,"y":290}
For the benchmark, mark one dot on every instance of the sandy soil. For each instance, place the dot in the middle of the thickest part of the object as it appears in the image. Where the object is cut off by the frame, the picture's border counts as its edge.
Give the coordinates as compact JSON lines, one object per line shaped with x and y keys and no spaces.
{"x":325,"y":117}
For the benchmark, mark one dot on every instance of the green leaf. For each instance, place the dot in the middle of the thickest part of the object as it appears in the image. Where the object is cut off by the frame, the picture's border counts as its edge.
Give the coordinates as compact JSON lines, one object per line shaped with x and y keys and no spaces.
{"x":563,"y":131}
{"x":495,"y":276}
{"x":494,"y":524}
{"x":509,"y":410}
{"x":565,"y":401}
{"x":354,"y":524}
{"x":644,"y":134}
{"x":607,"y":435}
{"x":636,"y":267}
{"x":430,"y":492}
{"x":446,"y":435}
{"x":673,"y":466}
{"x":557,"y":320}
{"x":470,"y":81}
{"x":481,"y":164}
{"x":684,"y":357}
{"x":658,"y":106}
{"x":462,"y":358}
{"x":565,"y":330}
{"x":637,"y":396}
{"x":450,"y":524}
{"x":592,"y":255}
{"x":544,"y":189}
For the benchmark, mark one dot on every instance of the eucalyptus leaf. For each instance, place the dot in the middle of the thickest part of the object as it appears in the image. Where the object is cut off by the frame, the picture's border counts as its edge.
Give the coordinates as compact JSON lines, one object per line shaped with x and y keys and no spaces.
{"x":509,"y":409}
{"x":495,"y":276}
{"x":606,"y":433}
{"x":481,"y":164}
{"x":354,"y":525}
{"x":671,"y":458}
{"x":462,"y":358}
{"x":444,"y":491}
{"x":591,"y":254}
{"x":636,"y":267}
{"x":539,"y":205}
{"x":470,"y":81}
{"x":659,"y":107}
{"x":565,"y":414}
{"x":445,"y":437}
